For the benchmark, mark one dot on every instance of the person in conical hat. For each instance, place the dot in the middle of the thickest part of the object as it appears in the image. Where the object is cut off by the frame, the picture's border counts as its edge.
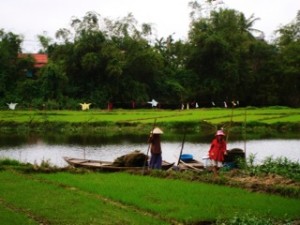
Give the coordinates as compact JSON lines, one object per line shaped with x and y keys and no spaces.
{"x":155,"y":148}
{"x":218,"y":149}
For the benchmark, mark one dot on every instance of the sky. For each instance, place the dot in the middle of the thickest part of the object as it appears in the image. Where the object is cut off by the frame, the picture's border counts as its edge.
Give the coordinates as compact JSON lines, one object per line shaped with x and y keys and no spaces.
{"x":30,"y":18}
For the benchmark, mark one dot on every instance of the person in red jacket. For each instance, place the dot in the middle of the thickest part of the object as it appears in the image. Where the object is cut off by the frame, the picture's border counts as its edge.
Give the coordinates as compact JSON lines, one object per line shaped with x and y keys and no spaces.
{"x":217,"y":151}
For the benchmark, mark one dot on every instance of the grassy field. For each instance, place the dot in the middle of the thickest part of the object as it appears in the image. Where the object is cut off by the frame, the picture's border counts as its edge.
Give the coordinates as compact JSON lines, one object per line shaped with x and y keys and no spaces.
{"x":122,"y":198}
{"x":271,"y":122}
{"x":211,"y":115}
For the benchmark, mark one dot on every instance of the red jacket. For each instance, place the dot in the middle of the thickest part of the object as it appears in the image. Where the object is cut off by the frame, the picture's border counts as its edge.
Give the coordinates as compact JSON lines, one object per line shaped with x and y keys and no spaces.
{"x":217,"y":150}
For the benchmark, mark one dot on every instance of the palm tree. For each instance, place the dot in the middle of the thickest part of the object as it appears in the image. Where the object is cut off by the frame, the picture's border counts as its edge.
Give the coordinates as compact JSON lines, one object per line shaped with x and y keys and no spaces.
{"x":246,"y":25}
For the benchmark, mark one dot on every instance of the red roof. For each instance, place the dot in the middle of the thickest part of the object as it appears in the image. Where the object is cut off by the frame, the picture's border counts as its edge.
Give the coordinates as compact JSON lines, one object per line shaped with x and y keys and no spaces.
{"x":40,"y":59}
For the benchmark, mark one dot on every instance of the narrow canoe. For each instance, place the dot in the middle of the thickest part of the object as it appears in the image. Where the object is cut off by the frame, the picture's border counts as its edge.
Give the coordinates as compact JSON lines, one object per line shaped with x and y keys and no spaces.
{"x":106,"y":166}
{"x":191,"y":165}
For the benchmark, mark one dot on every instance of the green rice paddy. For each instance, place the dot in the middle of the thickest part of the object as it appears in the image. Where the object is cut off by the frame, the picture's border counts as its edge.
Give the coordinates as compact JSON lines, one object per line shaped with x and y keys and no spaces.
{"x":211,"y":115}
{"x":122,"y":198}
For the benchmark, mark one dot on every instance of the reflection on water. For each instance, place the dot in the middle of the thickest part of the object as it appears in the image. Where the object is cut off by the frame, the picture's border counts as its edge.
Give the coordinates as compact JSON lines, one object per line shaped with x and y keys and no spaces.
{"x":10,"y":140}
{"x":35,"y":150}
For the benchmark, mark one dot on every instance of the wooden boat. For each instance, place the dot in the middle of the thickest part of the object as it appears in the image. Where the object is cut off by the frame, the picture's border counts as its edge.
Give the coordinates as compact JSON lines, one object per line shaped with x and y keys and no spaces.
{"x":191,"y":165}
{"x":107,"y":166}
{"x":186,"y":162}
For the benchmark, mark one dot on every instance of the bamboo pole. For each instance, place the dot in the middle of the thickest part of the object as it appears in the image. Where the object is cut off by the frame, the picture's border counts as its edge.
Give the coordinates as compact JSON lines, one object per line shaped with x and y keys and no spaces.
{"x":245,"y":132}
{"x":227,"y":135}
{"x":182,"y":144}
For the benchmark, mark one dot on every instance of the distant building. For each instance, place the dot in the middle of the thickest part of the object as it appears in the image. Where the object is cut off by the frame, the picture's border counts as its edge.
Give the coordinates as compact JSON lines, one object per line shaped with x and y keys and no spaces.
{"x":40,"y":60}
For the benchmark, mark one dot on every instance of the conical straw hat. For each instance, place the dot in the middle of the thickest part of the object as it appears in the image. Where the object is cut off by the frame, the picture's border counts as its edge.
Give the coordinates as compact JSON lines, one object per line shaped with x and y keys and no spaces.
{"x":157,"y":130}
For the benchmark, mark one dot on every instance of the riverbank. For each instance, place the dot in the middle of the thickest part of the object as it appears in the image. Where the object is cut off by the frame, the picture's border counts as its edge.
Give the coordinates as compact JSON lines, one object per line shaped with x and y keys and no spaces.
{"x":239,"y":123}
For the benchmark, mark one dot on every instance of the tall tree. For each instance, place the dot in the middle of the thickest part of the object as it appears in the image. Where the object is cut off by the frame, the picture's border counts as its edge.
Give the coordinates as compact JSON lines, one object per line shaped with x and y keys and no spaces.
{"x":217,"y":47}
{"x":289,"y":45}
{"x":53,"y":81}
{"x":10,"y":47}
{"x":44,"y":41}
{"x":263,"y":72}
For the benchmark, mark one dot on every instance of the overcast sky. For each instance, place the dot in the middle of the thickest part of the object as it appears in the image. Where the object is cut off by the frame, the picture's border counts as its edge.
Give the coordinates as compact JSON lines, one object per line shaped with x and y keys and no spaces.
{"x":32,"y":17}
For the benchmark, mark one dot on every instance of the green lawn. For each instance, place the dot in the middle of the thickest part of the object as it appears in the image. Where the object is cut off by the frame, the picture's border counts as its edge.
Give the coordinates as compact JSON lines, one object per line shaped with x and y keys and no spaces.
{"x":55,"y":203}
{"x":9,"y":216}
{"x":121,"y":198}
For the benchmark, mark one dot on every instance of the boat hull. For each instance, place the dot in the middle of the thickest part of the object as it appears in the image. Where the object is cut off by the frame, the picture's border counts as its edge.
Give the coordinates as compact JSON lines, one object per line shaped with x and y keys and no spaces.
{"x":191,"y":165}
{"x":107,"y":166}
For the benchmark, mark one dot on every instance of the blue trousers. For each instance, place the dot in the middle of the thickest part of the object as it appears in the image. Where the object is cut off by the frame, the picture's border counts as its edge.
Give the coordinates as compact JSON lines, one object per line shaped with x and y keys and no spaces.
{"x":155,"y":161}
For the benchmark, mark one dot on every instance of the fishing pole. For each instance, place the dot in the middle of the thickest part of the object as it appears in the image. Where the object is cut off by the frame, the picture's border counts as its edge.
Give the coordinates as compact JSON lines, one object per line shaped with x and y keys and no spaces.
{"x":245,"y":131}
{"x":227,"y":135}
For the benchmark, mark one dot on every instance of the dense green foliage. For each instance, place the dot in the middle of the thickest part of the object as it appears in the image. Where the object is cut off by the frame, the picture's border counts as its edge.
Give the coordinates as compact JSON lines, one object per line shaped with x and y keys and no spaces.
{"x":99,"y":60}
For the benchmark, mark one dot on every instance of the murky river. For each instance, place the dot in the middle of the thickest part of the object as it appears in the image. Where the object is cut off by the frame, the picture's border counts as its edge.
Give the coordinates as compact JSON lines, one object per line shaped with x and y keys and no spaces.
{"x":38,"y":151}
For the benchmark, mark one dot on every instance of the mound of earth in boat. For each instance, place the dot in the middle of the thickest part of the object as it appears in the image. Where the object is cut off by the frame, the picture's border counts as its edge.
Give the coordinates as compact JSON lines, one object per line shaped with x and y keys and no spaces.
{"x":133,"y":159}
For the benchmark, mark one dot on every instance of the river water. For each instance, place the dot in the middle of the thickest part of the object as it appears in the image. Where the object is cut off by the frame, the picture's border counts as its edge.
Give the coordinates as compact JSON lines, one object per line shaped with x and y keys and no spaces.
{"x":38,"y":151}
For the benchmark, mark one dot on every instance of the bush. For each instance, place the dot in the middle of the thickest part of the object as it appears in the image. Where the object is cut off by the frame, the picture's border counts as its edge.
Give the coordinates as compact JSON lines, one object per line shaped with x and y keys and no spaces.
{"x":250,"y":220}
{"x":281,"y":166}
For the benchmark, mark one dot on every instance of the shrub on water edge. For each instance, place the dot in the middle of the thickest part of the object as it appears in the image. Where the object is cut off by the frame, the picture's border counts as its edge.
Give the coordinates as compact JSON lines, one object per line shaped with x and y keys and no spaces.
{"x":44,"y":166}
{"x":9,"y":162}
{"x":6,"y":163}
{"x":281,"y":166}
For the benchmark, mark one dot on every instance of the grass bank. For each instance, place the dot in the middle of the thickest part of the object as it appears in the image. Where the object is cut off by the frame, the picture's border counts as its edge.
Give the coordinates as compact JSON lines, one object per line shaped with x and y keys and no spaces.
{"x":68,"y":196}
{"x":255,"y":122}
